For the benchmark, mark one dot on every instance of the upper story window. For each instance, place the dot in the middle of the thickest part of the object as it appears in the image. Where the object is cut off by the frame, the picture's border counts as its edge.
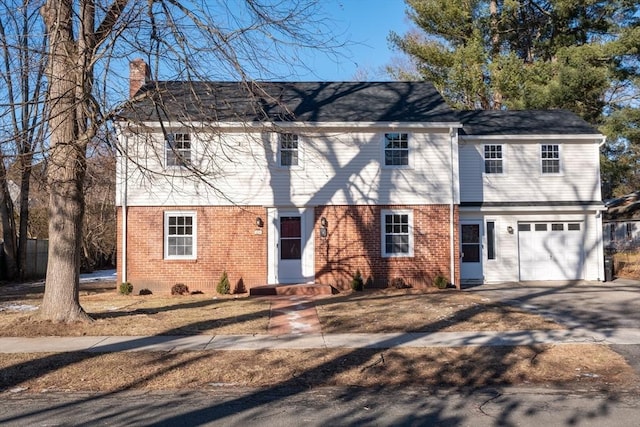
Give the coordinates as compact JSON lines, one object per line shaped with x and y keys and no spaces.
{"x":289,"y":150}
{"x":550,"y":158}
{"x":493,"y":159}
{"x":396,"y":149}
{"x":397,"y":233}
{"x":178,"y":149}
{"x":180,"y":235}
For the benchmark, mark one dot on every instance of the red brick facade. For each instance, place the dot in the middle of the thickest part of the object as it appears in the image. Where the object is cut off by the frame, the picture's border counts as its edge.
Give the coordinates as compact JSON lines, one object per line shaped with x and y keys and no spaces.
{"x":228,"y":239}
{"x":354,"y":243}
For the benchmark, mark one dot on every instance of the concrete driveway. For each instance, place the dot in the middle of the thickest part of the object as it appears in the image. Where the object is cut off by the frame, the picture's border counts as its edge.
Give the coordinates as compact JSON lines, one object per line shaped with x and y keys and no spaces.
{"x":590,"y":305}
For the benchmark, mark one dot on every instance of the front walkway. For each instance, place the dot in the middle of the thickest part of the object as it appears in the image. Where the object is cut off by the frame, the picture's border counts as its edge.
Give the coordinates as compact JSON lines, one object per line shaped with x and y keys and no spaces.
{"x":293,"y":315}
{"x":162,"y":343}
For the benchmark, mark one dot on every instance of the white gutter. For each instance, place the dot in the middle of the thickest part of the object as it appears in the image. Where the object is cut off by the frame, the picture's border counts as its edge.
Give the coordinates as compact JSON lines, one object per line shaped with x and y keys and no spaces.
{"x":312,"y":125}
{"x":452,"y":242}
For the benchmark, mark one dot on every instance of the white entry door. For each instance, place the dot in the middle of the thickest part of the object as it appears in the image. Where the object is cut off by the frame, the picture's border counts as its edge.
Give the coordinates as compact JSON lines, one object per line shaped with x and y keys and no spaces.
{"x":290,"y":246}
{"x":471,"y":251}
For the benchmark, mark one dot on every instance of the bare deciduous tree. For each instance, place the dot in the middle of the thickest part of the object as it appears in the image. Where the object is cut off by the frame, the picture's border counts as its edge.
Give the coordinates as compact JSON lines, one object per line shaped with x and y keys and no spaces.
{"x":229,"y":40}
{"x":22,"y":45}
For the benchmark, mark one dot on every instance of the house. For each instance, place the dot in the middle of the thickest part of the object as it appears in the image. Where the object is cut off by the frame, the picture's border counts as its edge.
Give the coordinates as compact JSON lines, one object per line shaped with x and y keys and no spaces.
{"x":309,"y":182}
{"x":622,"y":223}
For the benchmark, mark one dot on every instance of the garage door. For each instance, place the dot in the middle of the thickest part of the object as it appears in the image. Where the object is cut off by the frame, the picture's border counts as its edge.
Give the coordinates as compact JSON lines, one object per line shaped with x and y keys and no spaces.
{"x":551,"y":250}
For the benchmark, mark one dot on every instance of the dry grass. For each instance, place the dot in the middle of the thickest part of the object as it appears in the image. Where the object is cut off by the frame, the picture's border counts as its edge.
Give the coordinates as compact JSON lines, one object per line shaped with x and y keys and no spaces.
{"x":148,"y":315}
{"x":388,"y":310}
{"x":593,"y":366}
{"x":627,"y":264}
{"x":393,"y":310}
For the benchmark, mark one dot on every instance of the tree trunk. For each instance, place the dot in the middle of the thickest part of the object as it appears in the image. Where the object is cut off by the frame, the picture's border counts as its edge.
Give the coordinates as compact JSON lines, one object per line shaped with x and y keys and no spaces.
{"x":65,"y":168}
{"x":496,"y":101}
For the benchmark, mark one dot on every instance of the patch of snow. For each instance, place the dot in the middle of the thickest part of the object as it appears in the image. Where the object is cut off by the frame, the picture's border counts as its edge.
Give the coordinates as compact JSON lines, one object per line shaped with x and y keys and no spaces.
{"x":18,"y":307}
{"x":98,"y":275}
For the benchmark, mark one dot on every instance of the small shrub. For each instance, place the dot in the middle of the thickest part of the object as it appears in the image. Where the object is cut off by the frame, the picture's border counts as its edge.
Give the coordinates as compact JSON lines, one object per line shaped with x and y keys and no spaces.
{"x":197,"y":292}
{"x":145,"y":291}
{"x":440,"y":282}
{"x":126,"y":288}
{"x":357,"y":284}
{"x":179,"y":289}
{"x":224,"y":287}
{"x":399,"y":283}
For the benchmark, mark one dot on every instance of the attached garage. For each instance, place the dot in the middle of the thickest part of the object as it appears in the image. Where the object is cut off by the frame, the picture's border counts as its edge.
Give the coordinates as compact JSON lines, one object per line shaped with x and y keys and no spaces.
{"x":551,"y":250}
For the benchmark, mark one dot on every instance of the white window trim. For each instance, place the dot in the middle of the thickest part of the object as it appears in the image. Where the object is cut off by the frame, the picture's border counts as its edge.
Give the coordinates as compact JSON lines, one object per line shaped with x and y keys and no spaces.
{"x":279,"y":152}
{"x":504,"y":160}
{"x":410,"y":148}
{"x":383,"y":248}
{"x":194,"y":236}
{"x":167,"y":149}
{"x":560,"y":162}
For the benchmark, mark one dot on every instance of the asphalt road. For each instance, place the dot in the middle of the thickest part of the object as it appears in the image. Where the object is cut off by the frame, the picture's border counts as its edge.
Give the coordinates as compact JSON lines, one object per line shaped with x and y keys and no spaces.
{"x":325,"y":406}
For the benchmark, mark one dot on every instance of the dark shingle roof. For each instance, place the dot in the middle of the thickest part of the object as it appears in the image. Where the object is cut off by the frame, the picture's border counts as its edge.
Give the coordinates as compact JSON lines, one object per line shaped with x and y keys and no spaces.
{"x":523,"y":122}
{"x":291,"y":101}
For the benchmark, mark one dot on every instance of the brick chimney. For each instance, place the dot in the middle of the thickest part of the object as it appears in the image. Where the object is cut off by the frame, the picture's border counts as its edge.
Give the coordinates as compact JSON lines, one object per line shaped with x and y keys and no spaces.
{"x":138,"y":75}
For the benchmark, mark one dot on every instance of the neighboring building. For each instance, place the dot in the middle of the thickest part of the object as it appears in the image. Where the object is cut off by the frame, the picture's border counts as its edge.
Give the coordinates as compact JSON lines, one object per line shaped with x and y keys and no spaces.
{"x":622,"y":223}
{"x":308,"y":182}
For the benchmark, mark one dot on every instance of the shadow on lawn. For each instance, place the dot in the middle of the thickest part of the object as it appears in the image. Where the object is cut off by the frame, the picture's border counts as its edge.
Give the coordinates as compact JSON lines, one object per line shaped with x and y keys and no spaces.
{"x":482,"y":366}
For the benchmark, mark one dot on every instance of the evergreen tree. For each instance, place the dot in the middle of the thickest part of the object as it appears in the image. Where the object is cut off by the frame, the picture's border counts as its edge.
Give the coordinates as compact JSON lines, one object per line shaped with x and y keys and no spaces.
{"x":536,"y":54}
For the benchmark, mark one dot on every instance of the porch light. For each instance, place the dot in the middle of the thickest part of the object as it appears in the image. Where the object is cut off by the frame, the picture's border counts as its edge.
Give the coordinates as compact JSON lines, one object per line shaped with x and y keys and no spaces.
{"x":323,"y":227}
{"x":259,"y":222}
{"x":510,"y":229}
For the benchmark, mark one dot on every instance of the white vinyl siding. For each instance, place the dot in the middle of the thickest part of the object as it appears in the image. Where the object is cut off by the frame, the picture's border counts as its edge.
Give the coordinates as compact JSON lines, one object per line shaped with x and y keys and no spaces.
{"x":524,"y":182}
{"x":506,"y":265}
{"x":180,"y":235}
{"x":341,"y":167}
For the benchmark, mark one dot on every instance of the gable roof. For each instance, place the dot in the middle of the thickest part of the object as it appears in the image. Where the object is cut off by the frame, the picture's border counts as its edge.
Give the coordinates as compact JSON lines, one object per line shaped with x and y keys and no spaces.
{"x":523,"y":122}
{"x":290,"y":101}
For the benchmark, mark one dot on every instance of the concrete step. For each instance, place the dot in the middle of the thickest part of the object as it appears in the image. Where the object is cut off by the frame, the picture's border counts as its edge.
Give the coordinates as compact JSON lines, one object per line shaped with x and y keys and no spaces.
{"x":286,"y":290}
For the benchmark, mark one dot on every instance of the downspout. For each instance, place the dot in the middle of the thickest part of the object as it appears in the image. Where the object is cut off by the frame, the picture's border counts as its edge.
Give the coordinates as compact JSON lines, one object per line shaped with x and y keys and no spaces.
{"x":452,"y":264}
{"x":599,"y":230}
{"x":124,"y":208}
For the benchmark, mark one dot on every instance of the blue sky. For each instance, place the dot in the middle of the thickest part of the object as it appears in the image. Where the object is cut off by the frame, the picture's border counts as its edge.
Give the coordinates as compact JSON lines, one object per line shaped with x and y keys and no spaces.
{"x":365,"y":24}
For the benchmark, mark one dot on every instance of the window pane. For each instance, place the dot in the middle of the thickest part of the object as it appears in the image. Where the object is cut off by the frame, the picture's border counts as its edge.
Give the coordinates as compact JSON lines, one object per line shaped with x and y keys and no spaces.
{"x":524,"y":227}
{"x":471,"y":253}
{"x":179,"y":239}
{"x":550,"y":154}
{"x":470,"y":233}
{"x":289,"y":149}
{"x":491,"y":240}
{"x":557,"y":227}
{"x":397,"y":238}
{"x":541,"y":227}
{"x":396,"y":149}
{"x":573,"y":227}
{"x":290,"y":248}
{"x":290,"y":226}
